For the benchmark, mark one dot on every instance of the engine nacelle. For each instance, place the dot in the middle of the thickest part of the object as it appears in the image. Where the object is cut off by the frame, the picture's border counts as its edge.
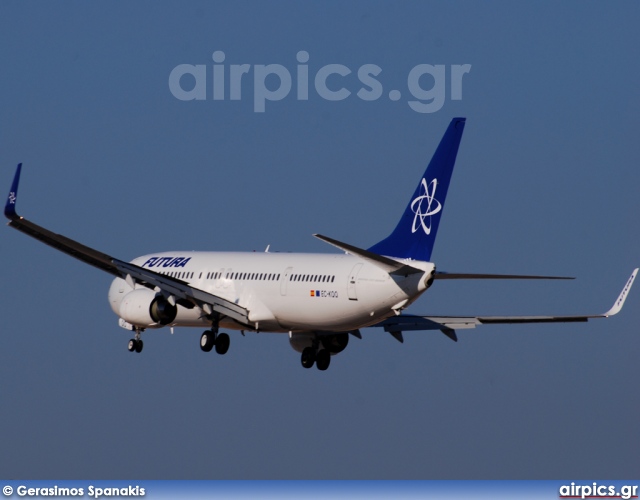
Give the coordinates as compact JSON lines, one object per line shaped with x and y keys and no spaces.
{"x":334,"y":343}
{"x":143,"y":307}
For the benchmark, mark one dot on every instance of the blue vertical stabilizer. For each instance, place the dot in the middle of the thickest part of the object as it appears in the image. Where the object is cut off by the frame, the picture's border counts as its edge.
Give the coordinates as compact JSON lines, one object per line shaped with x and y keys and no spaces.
{"x":415,"y":234}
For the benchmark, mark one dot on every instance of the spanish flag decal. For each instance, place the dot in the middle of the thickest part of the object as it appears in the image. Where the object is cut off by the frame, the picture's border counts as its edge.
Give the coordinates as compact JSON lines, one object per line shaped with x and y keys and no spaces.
{"x":313,"y":293}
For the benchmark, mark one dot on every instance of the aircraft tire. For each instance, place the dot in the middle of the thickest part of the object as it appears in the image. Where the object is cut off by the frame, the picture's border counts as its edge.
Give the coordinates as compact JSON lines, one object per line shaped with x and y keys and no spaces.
{"x":323,"y":359}
{"x":132,"y":345}
{"x":308,"y":357}
{"x":207,"y":340}
{"x":222,"y":343}
{"x":139,"y":345}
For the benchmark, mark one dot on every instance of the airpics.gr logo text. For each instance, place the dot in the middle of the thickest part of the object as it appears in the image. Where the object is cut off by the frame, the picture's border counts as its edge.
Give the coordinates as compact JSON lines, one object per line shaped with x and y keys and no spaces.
{"x":427,"y":84}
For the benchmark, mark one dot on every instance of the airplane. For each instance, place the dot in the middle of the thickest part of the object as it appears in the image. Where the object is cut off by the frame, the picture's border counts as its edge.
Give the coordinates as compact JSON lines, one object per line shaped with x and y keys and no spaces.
{"x":318,"y":300}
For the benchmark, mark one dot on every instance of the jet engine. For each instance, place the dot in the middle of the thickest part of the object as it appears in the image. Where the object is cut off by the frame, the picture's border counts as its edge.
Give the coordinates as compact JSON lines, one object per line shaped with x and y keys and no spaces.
{"x":145,"y":308}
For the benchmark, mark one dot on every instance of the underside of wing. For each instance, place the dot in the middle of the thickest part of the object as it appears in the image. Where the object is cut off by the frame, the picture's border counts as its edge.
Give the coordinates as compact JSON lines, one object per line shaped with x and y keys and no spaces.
{"x":182,"y":293}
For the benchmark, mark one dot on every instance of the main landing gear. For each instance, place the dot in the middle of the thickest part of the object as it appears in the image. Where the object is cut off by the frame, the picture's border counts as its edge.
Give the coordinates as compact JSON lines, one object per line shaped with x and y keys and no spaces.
{"x":321,"y":358}
{"x":136,"y":344}
{"x":209,"y":339}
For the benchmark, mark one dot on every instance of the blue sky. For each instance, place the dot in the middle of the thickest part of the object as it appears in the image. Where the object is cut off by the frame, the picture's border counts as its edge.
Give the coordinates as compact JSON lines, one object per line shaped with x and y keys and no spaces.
{"x":546,"y":182}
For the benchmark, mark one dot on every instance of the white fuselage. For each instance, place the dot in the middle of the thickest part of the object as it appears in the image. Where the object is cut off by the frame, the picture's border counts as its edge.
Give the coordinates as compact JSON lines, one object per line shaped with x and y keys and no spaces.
{"x":285,"y":292}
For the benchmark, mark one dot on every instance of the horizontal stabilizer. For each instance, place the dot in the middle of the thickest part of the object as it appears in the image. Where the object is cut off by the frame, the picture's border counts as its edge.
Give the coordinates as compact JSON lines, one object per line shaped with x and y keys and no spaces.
{"x":472,"y":276}
{"x":389,"y":265}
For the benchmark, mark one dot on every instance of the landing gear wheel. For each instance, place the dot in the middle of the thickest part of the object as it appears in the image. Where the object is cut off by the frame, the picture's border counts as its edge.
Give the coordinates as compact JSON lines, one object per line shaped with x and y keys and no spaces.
{"x":207,"y":340}
{"x":222,"y":343}
{"x":323,"y":359}
{"x":308,"y":357}
{"x":135,"y":345}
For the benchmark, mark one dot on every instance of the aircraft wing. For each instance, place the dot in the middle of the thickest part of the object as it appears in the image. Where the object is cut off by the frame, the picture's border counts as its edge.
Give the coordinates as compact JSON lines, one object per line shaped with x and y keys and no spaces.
{"x":449,"y":324}
{"x":181,"y":292}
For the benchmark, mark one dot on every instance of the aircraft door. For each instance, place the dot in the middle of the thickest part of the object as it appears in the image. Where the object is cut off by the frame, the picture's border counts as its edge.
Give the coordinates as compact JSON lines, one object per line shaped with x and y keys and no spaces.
{"x":351,"y":285}
{"x":227,"y":281}
{"x":285,"y":278}
{"x":220,"y":279}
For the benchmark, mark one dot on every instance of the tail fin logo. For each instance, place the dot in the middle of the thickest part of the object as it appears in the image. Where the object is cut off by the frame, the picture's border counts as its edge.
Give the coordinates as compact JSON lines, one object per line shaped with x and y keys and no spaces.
{"x":424,"y":206}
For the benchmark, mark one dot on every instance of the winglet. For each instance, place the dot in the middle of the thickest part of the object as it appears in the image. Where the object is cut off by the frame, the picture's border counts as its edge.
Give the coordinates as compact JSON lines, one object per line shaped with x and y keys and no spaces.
{"x":10,"y":207}
{"x":617,"y":306}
